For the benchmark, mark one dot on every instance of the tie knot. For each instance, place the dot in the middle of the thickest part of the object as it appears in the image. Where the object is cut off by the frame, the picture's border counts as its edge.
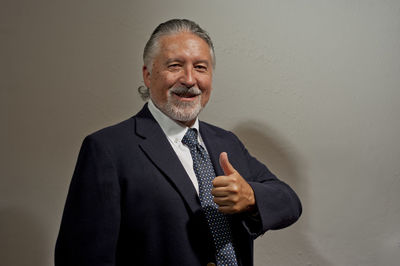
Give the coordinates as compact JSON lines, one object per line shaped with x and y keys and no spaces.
{"x":190,"y":138}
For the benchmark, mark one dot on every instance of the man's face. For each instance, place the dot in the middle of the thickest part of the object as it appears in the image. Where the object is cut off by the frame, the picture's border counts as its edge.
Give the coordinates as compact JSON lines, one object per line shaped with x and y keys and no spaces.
{"x":180,"y":81}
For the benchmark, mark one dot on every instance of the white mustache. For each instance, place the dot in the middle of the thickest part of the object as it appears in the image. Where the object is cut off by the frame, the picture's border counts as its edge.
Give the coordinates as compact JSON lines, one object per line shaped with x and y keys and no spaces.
{"x":193,"y":91}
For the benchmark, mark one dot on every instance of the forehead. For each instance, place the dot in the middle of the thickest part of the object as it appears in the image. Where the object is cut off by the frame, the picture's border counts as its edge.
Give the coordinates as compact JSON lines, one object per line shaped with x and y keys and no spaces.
{"x":184,"y":44}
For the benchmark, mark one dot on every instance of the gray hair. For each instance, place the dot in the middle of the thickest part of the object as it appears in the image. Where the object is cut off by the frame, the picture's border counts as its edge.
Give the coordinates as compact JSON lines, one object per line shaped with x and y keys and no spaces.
{"x":171,"y":27}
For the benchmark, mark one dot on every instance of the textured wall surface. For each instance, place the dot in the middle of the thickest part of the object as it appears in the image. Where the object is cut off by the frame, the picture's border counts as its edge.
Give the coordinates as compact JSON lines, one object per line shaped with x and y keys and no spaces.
{"x":311,"y":87}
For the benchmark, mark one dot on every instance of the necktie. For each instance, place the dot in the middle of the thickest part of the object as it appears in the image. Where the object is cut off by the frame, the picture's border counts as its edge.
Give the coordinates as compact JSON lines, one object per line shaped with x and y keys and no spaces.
{"x":217,"y":221}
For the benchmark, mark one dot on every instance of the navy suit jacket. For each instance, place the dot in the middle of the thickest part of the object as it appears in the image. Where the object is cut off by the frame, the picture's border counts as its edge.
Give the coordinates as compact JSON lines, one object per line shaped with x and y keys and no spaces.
{"x":131,"y":202}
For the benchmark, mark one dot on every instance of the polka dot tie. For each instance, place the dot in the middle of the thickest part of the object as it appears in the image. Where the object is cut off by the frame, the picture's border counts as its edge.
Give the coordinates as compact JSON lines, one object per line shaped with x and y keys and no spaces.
{"x":217,"y":221}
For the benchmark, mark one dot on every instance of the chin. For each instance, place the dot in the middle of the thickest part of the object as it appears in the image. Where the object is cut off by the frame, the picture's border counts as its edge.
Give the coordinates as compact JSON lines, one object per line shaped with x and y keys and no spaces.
{"x":183,"y":111}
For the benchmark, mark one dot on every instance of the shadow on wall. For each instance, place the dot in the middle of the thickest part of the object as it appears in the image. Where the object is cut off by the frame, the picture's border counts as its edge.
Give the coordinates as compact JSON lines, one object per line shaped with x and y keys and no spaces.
{"x":290,"y":246}
{"x":22,"y":239}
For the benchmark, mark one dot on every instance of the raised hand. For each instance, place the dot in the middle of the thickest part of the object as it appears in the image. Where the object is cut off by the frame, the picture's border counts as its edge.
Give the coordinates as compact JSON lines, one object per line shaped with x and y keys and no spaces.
{"x":231,"y":192}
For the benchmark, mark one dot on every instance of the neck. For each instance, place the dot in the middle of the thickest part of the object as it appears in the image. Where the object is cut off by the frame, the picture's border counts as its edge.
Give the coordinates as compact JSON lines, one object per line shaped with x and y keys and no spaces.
{"x":186,"y":123}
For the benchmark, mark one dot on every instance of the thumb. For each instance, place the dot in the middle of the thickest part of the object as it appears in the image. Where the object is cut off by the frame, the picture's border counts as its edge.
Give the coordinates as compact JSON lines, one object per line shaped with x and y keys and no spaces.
{"x":225,"y":164}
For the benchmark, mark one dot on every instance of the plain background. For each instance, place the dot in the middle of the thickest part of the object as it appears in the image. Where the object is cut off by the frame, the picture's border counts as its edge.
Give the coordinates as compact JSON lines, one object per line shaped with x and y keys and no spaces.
{"x":311,"y":87}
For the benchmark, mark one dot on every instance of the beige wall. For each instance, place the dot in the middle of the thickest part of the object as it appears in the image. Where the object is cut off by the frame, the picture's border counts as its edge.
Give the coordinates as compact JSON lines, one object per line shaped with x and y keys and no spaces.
{"x":312,"y":88}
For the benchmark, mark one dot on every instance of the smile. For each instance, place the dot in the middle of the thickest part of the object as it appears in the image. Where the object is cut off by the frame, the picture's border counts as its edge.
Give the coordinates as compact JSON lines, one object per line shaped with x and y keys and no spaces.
{"x":186,"y":95}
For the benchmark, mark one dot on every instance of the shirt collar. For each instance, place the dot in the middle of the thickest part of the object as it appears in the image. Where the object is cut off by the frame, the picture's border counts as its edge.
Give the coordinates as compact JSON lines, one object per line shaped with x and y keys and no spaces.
{"x":173,"y":130}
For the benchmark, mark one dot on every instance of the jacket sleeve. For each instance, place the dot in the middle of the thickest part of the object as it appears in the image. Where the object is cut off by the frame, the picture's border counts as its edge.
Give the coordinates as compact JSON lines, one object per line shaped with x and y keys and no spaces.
{"x":277,"y":205}
{"x":90,"y":224}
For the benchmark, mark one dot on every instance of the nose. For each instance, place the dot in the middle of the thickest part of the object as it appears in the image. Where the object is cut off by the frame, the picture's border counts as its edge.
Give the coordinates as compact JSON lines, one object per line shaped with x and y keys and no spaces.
{"x":188,"y":79}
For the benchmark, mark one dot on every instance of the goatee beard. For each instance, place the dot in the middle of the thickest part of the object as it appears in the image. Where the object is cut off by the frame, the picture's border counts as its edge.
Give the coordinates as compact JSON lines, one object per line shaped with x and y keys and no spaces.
{"x":180,"y":110}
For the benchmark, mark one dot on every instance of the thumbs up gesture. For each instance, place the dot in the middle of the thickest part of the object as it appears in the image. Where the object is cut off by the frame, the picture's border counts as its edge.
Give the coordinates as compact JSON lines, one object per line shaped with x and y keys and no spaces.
{"x":231,"y":192}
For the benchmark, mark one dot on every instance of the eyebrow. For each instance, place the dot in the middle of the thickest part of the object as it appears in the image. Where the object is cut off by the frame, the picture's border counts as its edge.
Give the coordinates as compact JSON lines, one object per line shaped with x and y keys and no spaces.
{"x":173,"y":60}
{"x":202,"y":61}
{"x":206,"y":62}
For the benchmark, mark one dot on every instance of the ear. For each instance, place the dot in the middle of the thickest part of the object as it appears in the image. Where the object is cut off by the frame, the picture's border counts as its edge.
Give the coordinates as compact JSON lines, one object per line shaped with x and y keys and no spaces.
{"x":146,"y":76}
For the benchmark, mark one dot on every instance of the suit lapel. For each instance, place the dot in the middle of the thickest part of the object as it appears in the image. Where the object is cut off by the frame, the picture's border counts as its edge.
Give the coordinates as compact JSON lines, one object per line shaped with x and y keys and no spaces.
{"x":155,"y":144}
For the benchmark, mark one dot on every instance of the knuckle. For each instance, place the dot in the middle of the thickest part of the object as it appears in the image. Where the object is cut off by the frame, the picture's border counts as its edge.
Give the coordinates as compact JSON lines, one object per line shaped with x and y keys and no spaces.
{"x":235,"y":199}
{"x":235,"y":189}
{"x":235,"y":208}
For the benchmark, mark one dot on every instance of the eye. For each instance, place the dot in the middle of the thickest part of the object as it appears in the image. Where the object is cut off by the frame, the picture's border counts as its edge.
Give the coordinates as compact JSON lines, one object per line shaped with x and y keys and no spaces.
{"x":174,"y":66}
{"x":201,"y":68}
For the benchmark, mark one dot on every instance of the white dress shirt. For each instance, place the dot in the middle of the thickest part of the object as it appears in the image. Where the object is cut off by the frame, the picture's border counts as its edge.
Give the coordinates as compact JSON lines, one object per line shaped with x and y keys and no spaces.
{"x":175,"y":133}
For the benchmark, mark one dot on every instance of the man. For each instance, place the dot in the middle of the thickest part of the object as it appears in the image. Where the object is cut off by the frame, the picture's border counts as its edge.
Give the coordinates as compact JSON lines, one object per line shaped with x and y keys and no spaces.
{"x":159,"y":188}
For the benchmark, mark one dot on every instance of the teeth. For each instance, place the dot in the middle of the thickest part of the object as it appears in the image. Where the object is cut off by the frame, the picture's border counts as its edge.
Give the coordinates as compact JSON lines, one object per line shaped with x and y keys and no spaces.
{"x":185,"y":95}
